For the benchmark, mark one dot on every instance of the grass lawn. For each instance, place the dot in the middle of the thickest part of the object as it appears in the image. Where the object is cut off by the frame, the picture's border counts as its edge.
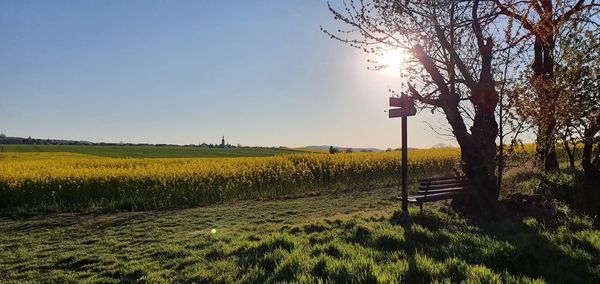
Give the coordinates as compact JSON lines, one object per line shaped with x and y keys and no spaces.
{"x":343,"y":237}
{"x":151,"y":151}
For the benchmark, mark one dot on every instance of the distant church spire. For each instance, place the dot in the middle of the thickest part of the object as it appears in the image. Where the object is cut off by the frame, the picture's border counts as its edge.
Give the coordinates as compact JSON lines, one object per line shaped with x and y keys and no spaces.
{"x":223,"y":142}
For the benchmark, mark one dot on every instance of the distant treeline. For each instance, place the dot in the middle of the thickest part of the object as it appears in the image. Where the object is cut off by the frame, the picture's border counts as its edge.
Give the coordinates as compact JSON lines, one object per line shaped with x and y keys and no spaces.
{"x":36,"y":141}
{"x":33,"y":141}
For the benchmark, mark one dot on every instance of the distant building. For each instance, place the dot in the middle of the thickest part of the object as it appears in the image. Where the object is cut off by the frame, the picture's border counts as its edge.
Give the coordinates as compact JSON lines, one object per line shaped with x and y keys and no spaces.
{"x":222,"y":145}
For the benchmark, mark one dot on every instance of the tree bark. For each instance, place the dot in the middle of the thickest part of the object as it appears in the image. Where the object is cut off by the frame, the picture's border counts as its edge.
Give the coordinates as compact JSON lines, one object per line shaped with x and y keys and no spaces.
{"x":479,"y":162}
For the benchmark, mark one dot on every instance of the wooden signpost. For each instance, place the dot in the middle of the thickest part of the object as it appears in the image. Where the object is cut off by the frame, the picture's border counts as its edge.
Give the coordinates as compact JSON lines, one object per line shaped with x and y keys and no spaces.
{"x":402,"y":112}
{"x":405,"y":108}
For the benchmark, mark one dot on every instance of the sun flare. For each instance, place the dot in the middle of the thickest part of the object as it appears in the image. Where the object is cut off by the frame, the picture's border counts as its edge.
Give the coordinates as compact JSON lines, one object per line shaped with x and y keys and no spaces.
{"x":391,"y":61}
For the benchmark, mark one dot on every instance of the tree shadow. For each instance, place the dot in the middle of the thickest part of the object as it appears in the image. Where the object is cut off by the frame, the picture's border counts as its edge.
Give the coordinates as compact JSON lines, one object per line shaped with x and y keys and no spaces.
{"x":509,"y":246}
{"x":92,"y":222}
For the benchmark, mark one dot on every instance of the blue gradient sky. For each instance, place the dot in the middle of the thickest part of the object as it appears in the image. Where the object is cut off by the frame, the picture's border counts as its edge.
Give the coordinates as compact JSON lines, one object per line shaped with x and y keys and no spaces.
{"x":258,"y":72}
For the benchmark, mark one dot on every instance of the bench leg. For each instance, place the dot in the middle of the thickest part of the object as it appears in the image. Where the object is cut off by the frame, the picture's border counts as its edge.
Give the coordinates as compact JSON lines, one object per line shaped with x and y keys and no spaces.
{"x":421,"y":207}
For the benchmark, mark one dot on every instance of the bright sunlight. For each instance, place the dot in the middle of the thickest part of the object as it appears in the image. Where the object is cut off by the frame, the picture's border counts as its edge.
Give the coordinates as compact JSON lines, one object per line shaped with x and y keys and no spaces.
{"x":391,"y":61}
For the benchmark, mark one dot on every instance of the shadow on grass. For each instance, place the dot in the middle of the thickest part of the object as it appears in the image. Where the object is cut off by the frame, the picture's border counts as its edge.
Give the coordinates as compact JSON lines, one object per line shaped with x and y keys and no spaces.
{"x":525,"y":248}
{"x":85,"y":221}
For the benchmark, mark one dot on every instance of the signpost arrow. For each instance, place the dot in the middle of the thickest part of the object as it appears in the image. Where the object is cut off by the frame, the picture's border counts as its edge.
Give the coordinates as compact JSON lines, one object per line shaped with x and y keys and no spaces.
{"x":402,"y":112}
{"x":403,"y":101}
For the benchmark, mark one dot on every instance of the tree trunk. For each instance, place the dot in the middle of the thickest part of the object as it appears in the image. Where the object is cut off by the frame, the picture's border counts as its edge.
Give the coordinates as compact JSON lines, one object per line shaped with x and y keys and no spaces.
{"x":570,"y":154}
{"x":542,"y":80}
{"x":596,"y":159}
{"x":478,"y":163}
{"x":500,"y":166}
{"x":478,"y":149}
{"x":590,"y":170}
{"x":546,"y":150}
{"x":479,"y":160}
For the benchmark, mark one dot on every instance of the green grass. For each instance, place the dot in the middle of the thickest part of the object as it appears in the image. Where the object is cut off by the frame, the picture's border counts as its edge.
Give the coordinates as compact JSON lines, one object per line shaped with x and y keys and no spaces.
{"x":341,"y":237}
{"x":152,"y":151}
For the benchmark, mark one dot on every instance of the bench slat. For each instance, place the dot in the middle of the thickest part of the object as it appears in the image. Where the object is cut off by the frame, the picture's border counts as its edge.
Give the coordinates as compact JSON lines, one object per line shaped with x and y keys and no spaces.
{"x":439,"y":186}
{"x":443,"y":182}
{"x":428,"y":192}
{"x":424,"y":184}
{"x":440,"y":196}
{"x":432,"y":197}
{"x":442,"y":178}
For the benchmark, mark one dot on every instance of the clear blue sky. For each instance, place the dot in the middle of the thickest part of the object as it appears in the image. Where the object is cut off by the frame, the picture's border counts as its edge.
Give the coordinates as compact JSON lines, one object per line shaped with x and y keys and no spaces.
{"x":258,"y":72}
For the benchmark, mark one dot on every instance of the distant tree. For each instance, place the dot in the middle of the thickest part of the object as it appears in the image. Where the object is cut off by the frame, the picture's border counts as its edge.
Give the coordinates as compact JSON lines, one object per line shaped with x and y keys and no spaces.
{"x":332,"y":150}
{"x":348,"y":150}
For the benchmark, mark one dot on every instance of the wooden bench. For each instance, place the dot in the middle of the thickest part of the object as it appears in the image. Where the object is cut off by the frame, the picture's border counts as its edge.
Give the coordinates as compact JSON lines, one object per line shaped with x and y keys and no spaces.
{"x":438,"y":188}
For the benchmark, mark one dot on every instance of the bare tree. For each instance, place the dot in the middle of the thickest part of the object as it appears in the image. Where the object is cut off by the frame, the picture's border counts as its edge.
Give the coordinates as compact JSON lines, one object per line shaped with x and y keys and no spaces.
{"x":451,"y":69}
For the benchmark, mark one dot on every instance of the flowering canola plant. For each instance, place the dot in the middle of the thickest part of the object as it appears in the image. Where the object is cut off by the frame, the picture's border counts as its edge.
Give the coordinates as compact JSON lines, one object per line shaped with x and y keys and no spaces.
{"x":63,"y":181}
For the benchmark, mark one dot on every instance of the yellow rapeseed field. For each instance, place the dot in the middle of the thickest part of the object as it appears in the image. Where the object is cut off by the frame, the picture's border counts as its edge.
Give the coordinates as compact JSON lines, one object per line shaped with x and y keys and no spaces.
{"x":64,"y":181}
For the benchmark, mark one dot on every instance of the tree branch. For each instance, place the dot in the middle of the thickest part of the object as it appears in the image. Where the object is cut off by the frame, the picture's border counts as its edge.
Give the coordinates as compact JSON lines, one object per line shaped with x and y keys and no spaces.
{"x":425,"y":100}
{"x":505,"y":11}
{"x":457,"y":60}
{"x":430,"y":67}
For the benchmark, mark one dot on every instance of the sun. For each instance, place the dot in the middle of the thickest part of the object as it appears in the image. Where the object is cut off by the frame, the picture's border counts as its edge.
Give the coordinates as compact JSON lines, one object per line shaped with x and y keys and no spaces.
{"x":391,"y":61}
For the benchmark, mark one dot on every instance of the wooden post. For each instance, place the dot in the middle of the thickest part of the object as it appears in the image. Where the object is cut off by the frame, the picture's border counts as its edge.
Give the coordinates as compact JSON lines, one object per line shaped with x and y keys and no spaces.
{"x":405,"y":108}
{"x":404,"y":168}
